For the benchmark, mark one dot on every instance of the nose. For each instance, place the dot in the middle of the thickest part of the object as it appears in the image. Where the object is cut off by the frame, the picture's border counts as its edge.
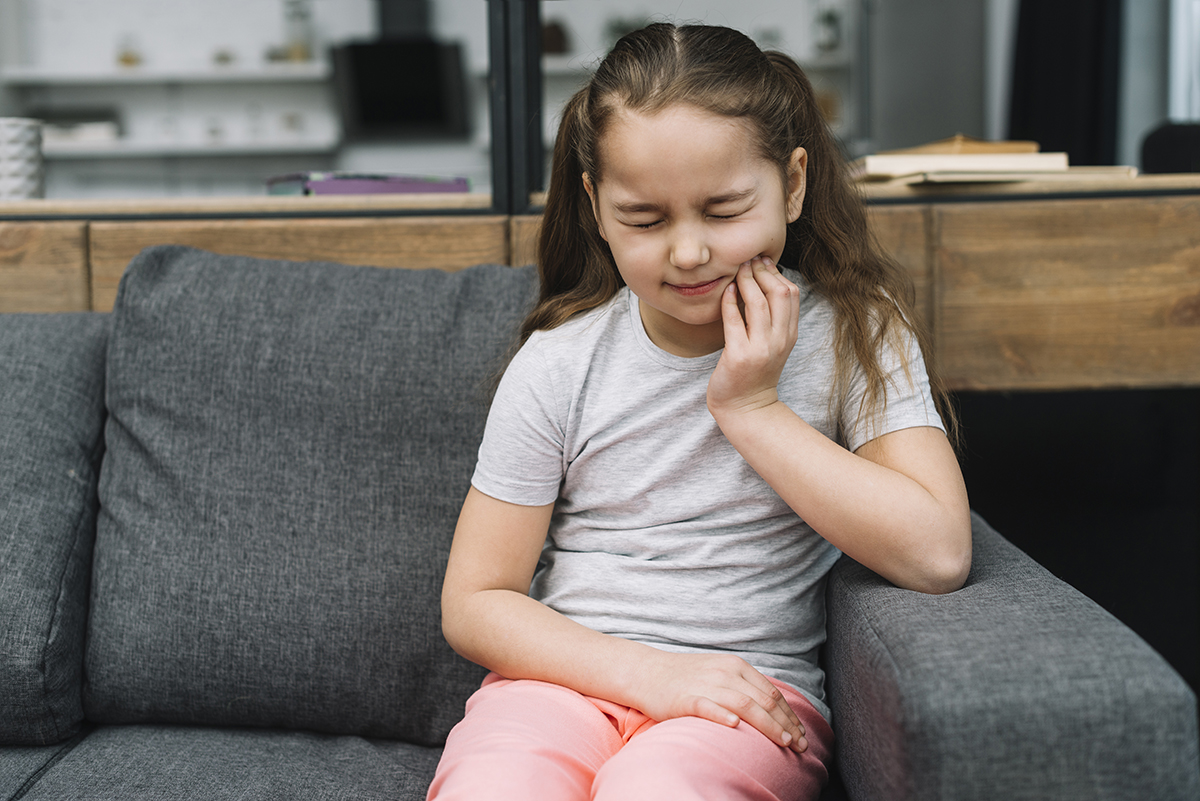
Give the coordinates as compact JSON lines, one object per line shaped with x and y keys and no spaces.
{"x":688,"y":248}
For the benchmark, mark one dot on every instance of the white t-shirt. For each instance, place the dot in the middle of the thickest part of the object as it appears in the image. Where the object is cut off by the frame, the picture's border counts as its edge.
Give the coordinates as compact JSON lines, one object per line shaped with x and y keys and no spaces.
{"x":662,"y":533}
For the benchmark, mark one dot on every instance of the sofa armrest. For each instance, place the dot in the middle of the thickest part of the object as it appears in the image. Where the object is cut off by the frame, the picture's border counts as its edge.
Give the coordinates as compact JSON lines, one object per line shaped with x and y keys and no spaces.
{"x":1016,"y":686}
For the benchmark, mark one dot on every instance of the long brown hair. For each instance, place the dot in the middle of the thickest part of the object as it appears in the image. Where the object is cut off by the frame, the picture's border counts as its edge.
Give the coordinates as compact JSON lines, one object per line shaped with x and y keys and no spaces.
{"x":722,"y":71}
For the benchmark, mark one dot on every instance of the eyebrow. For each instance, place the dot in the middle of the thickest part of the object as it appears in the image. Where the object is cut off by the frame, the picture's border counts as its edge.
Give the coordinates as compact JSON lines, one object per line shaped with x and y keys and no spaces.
{"x":729,"y":197}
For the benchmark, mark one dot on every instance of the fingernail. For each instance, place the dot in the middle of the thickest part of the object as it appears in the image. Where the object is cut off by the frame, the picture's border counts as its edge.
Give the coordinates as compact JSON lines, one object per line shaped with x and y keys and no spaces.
{"x":787,"y":738}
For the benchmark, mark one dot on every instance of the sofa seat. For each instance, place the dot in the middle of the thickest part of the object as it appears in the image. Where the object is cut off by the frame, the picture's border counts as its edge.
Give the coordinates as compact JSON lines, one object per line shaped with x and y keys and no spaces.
{"x":161,"y":762}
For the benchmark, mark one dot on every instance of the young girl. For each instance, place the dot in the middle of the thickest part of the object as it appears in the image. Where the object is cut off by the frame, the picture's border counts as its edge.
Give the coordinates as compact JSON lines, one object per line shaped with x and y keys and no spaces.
{"x":718,"y":392}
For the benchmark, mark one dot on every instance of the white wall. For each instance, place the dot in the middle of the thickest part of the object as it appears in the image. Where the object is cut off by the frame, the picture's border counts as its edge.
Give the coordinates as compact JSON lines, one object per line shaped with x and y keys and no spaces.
{"x":174,"y":34}
{"x":1143,"y":89}
{"x":1000,"y":41}
{"x":927,"y":70}
{"x":1184,"y":83}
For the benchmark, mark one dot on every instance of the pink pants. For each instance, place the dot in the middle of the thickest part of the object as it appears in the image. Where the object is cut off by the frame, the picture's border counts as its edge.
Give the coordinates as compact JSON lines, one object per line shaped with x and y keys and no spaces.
{"x":532,"y":741}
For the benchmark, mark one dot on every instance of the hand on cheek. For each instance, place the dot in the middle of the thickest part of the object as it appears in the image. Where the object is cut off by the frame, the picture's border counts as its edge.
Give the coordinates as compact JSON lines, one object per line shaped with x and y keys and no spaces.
{"x":759,"y":312}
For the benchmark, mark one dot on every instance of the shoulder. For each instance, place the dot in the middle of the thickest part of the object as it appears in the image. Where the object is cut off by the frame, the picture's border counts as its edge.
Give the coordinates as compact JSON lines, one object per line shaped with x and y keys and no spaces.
{"x":584,"y":333}
{"x":560,"y":356}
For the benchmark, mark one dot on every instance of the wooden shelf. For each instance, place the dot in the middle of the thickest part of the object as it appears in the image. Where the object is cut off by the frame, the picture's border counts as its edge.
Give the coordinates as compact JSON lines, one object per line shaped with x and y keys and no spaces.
{"x":300,"y":72}
{"x":123,"y":148}
{"x":234,"y":207}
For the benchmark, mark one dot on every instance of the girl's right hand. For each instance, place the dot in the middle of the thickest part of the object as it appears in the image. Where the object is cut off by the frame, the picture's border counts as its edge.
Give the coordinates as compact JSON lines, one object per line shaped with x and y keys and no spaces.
{"x":716,"y":687}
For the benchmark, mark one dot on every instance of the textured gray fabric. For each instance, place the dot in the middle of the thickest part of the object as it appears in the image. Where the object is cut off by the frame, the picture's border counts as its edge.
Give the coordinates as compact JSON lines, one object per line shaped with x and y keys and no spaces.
{"x":288,"y":448}
{"x":51,"y":405}
{"x":1015,"y":687}
{"x":22,"y":766}
{"x":153,"y":763}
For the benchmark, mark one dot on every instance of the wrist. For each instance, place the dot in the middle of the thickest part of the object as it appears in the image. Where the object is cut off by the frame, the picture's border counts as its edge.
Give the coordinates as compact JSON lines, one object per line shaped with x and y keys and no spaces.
{"x":746,"y":409}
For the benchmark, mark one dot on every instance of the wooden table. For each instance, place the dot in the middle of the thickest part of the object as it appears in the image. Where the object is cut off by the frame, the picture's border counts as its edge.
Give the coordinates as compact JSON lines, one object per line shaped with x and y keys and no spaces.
{"x":1053,"y":285}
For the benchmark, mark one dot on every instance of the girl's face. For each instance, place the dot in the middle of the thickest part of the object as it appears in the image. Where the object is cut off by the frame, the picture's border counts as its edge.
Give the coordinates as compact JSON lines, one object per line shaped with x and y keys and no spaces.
{"x":684,"y":201}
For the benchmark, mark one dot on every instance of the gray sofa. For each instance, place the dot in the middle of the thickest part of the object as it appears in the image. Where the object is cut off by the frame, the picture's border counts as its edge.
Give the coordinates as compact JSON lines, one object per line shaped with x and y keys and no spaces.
{"x":224,"y":513}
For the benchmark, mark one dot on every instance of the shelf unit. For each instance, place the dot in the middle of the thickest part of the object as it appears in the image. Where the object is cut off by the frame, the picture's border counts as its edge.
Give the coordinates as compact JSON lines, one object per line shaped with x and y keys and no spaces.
{"x":125,"y":149}
{"x":283,"y":72}
{"x":278,"y":109}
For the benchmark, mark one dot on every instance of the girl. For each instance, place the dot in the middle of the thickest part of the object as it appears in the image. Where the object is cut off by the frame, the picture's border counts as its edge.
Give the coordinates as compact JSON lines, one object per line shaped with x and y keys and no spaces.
{"x":686,"y":440}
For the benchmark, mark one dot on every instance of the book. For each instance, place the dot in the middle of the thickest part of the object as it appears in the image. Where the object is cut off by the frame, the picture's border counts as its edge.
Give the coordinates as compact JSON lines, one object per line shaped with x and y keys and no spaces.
{"x":960,"y":143}
{"x":1102,"y":173}
{"x":350,"y":183}
{"x":1071,"y":174}
{"x":888,"y":166}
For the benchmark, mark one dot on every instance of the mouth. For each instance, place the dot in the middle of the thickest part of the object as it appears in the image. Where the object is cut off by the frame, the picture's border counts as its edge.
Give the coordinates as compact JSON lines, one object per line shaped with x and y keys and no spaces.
{"x":696,"y":289}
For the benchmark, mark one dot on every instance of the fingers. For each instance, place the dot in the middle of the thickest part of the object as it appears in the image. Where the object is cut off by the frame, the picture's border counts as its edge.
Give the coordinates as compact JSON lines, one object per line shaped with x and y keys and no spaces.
{"x":785,"y":724}
{"x":724,"y":689}
{"x":761,"y":705}
{"x":731,"y":316}
{"x":772,"y":303}
{"x":759,"y":337}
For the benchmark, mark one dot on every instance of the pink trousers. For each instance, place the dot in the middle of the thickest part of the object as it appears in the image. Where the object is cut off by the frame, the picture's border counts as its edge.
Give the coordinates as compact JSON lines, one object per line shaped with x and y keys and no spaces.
{"x":532,"y":741}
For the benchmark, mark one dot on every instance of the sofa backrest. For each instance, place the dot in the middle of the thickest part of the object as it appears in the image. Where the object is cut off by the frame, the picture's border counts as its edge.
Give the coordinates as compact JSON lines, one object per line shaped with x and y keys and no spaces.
{"x":288,"y":445}
{"x":51,"y":442}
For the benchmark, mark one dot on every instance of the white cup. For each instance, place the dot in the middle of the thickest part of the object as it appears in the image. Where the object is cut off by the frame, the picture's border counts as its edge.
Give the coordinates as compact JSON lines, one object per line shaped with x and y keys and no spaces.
{"x":20,"y":159}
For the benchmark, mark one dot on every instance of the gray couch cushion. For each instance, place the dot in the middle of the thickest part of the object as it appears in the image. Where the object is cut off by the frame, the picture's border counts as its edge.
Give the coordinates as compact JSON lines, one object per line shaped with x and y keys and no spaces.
{"x":167,"y":762}
{"x":21,"y":767}
{"x":288,"y":448}
{"x":52,"y":408}
{"x":1016,"y":686}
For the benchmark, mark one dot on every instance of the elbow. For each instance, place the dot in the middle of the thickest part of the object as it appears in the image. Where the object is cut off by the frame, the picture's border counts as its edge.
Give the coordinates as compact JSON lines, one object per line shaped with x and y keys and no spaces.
{"x":942,"y":562}
{"x":452,"y":628}
{"x":947,"y":571}
{"x":949,"y":576}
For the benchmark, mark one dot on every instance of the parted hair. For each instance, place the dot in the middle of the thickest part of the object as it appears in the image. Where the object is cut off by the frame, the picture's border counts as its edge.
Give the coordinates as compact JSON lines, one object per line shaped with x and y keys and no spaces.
{"x":722,"y":71}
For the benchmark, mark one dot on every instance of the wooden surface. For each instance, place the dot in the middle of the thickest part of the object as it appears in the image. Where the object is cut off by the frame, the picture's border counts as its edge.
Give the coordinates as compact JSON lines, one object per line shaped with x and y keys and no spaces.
{"x":523,"y":239}
{"x":902,"y":231}
{"x":1030,"y":294}
{"x":1045,"y":295}
{"x":935,"y":193}
{"x":43,"y":267}
{"x":414,"y":242}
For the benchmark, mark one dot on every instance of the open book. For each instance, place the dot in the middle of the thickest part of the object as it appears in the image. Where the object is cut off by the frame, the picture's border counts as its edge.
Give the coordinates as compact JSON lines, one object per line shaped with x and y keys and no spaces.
{"x":962,"y":159}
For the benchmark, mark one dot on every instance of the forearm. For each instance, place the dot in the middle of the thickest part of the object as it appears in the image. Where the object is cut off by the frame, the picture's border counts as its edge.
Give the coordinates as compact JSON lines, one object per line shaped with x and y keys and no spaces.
{"x":915,"y":536}
{"x":521,"y":638}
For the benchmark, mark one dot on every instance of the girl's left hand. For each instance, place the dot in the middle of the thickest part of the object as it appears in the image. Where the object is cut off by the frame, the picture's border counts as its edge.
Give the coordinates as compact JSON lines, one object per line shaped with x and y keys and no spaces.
{"x":759,"y":337}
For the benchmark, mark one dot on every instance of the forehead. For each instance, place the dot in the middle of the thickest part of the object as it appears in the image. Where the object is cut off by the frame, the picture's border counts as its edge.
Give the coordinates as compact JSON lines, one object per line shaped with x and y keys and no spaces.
{"x":680,"y":150}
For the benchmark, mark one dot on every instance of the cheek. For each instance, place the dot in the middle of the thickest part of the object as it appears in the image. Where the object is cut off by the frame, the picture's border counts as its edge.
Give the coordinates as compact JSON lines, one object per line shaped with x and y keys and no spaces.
{"x":632,"y":252}
{"x":745,"y":244}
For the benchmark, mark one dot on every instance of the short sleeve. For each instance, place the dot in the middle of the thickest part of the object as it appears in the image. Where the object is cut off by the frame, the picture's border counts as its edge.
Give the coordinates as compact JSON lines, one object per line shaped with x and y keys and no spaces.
{"x":910,"y":401}
{"x":521,"y":456}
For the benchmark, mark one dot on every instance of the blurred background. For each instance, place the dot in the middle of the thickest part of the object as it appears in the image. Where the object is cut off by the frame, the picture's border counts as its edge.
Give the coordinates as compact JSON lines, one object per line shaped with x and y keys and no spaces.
{"x":147,"y":98}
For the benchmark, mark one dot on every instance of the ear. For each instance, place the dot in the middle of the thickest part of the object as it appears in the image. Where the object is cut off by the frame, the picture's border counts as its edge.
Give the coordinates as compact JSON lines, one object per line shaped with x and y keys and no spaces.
{"x":797,"y":182}
{"x":591,"y":191}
